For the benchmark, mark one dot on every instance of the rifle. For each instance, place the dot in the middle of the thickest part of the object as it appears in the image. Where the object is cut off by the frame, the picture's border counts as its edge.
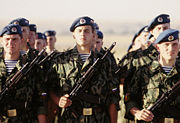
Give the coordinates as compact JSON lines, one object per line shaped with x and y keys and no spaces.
{"x":169,"y":95}
{"x":82,"y":83}
{"x":11,"y":82}
{"x":48,"y":57}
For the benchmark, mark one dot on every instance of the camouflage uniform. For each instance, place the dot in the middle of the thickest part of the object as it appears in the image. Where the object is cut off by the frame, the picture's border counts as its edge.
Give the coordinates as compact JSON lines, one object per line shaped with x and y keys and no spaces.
{"x":25,"y":101}
{"x":130,"y":64}
{"x":113,"y":60}
{"x":138,"y":60}
{"x":148,"y":84}
{"x":70,"y":68}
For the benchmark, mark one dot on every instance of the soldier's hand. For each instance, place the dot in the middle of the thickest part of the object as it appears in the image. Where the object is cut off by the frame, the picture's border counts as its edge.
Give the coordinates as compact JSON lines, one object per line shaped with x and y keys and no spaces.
{"x":64,"y":101}
{"x":144,"y":114}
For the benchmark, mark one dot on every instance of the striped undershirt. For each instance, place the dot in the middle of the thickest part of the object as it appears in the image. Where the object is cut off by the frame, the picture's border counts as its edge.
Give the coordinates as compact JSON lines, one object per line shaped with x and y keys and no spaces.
{"x":84,"y":57}
{"x":167,"y":69}
{"x":10,"y":64}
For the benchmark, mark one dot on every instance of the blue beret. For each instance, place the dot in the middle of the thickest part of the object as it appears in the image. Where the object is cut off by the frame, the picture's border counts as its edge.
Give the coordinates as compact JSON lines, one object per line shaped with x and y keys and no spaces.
{"x":143,"y":29}
{"x":32,"y":27}
{"x":20,"y":21}
{"x":11,"y":29}
{"x":44,"y":36}
{"x":167,"y":36}
{"x":50,"y":33}
{"x":160,"y":19}
{"x":40,"y":35}
{"x":81,"y":21}
{"x":100,"y":34}
{"x":96,"y":27}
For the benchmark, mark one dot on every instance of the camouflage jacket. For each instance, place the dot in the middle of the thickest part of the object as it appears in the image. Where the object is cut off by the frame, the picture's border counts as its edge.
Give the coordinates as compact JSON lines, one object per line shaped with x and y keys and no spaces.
{"x":145,"y":57}
{"x":148,"y":84}
{"x":138,"y":60}
{"x":24,"y":101}
{"x":70,"y":68}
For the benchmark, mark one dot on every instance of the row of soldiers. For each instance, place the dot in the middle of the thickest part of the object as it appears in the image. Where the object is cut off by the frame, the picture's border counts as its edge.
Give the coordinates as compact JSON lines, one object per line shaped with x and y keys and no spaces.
{"x":36,"y":40}
{"x":147,"y":71}
{"x":42,"y":94}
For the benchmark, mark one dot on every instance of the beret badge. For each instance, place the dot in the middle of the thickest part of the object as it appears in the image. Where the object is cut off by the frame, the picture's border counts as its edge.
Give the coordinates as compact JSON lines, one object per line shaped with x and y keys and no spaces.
{"x":146,"y":29}
{"x":14,"y":29}
{"x":170,"y":38}
{"x":26,"y":21}
{"x":16,"y":22}
{"x":46,"y":33}
{"x":82,"y":21}
{"x":160,"y":19}
{"x":92,"y":21}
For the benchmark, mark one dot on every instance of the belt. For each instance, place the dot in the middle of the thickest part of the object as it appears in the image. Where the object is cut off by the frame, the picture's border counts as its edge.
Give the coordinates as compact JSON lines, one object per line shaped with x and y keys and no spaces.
{"x":90,"y":111}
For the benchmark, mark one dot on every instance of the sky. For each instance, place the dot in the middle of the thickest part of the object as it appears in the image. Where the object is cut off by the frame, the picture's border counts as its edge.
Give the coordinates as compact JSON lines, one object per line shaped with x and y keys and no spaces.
{"x":66,"y":11}
{"x":101,"y":9}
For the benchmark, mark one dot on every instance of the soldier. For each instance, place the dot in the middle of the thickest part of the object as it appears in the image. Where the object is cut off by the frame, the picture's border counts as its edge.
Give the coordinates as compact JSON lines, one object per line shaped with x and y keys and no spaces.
{"x":138,"y":58}
{"x":32,"y":35}
{"x":152,"y":80}
{"x":40,"y":41}
{"x":26,"y":101}
{"x":137,"y":46}
{"x":139,"y":39}
{"x":51,"y":40}
{"x":70,"y":66}
{"x":99,"y":40}
{"x":24,"y":23}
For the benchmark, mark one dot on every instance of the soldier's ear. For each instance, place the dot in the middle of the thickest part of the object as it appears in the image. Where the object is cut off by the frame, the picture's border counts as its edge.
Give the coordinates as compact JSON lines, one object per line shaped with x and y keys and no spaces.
{"x":1,"y":40}
{"x":94,"y":34}
{"x":73,"y":36}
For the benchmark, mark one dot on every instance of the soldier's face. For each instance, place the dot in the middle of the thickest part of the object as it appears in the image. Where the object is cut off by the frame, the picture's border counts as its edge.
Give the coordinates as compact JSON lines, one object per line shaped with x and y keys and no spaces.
{"x":11,"y":43}
{"x":159,"y":28}
{"x":143,"y":37}
{"x":32,"y":38}
{"x":137,"y":43}
{"x":84,"y":35}
{"x":98,"y":44}
{"x":39,"y":44}
{"x":51,"y":41}
{"x":168,"y":50}
{"x":25,"y":32}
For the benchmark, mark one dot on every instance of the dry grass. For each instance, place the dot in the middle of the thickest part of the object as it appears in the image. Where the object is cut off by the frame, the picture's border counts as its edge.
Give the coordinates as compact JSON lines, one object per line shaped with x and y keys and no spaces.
{"x":122,"y":43}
